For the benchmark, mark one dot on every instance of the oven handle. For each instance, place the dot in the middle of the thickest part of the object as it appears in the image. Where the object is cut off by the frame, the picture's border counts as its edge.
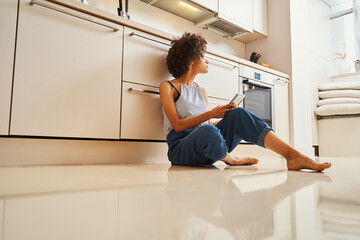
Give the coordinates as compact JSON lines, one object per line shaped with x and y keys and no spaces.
{"x":257,"y":83}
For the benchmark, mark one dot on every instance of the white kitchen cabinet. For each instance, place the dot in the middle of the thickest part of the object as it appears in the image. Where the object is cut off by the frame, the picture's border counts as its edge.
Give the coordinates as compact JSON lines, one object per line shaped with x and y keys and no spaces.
{"x":239,"y":12}
{"x":282,"y":121}
{"x":209,"y":4}
{"x":214,"y":102}
{"x":8,"y":12}
{"x":260,"y":16}
{"x":145,"y":58}
{"x":141,"y":114}
{"x":221,"y":81}
{"x":260,"y":22}
{"x":68,"y":75}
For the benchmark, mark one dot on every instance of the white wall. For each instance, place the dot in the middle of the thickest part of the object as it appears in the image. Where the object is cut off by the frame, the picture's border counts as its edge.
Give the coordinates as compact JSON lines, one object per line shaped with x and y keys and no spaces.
{"x":311,"y":64}
{"x":299,"y":44}
{"x":148,"y":15}
{"x":275,"y":49}
{"x":301,"y":70}
{"x":320,"y":57}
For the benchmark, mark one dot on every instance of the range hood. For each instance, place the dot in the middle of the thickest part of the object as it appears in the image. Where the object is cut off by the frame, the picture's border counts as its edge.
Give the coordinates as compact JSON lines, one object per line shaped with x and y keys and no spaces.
{"x":202,"y":17}
{"x":182,"y":8}
{"x":222,"y":25}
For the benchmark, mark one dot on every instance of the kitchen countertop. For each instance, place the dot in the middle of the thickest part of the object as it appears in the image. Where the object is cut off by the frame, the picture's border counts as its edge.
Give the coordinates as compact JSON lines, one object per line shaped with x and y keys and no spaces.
{"x":75,"y":5}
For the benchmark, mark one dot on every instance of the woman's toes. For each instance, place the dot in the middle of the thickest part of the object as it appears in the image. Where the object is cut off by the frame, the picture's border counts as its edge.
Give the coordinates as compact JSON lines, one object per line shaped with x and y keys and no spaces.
{"x":246,"y":161}
{"x":306,"y":163}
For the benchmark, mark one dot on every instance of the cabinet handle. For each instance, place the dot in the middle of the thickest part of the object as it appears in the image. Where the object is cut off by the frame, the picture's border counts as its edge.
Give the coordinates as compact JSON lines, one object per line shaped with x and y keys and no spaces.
{"x":234,"y":66}
{"x":282,"y":80}
{"x":143,"y":91}
{"x":212,"y":102}
{"x":32,"y":2}
{"x":137,"y":35}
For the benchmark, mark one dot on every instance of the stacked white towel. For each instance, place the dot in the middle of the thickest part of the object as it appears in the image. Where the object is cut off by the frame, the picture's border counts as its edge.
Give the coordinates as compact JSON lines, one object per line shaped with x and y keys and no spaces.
{"x":339,"y":98}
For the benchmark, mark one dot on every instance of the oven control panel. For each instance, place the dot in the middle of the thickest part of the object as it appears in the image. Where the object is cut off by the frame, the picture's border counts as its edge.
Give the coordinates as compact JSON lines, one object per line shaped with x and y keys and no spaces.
{"x":255,"y":74}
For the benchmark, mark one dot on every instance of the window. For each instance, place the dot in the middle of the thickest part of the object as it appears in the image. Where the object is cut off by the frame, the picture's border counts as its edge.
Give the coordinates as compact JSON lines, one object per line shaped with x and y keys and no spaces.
{"x":345,"y":30}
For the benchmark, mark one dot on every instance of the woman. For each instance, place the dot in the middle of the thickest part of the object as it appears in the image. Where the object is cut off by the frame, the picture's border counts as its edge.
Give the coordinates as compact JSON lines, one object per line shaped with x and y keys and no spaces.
{"x":194,"y":139}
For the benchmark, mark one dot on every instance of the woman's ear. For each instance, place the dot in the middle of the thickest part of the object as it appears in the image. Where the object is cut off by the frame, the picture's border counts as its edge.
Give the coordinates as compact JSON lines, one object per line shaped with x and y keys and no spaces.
{"x":192,"y":64}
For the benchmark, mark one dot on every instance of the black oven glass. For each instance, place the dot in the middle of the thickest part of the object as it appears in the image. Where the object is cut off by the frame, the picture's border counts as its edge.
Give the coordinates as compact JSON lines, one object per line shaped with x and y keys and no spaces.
{"x":258,"y":101}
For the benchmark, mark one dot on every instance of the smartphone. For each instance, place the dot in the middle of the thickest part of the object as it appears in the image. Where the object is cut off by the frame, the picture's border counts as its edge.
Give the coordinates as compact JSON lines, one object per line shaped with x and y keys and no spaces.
{"x":237,"y":99}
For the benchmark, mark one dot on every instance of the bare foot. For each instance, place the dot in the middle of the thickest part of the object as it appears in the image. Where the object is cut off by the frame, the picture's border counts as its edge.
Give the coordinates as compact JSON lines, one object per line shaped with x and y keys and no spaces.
{"x":236,"y":161}
{"x":300,"y":161}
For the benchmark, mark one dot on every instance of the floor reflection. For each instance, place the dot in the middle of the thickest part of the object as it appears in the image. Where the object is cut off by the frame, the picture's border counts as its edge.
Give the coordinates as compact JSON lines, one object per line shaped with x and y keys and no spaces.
{"x":174,"y":202}
{"x":233,"y":204}
{"x":339,"y":202}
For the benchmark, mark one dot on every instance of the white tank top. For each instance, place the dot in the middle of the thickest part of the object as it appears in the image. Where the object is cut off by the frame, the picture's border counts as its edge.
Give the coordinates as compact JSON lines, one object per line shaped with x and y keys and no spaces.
{"x":191,"y":103}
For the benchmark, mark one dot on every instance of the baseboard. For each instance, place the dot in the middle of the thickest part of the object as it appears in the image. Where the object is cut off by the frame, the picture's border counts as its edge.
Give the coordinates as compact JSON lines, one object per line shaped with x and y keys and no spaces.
{"x":24,"y":151}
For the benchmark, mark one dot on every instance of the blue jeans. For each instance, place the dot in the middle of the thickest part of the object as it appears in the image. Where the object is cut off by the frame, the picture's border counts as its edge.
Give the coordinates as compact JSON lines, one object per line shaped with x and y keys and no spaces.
{"x":207,"y":144}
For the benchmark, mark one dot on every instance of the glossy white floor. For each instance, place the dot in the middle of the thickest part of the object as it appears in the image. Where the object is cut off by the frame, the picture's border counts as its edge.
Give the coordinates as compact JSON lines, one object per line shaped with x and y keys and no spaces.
{"x":159,"y":201}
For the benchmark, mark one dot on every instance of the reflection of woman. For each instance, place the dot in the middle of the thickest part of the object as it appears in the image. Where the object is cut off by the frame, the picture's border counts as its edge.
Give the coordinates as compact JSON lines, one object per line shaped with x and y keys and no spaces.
{"x":193,"y":137}
{"x":212,"y":199}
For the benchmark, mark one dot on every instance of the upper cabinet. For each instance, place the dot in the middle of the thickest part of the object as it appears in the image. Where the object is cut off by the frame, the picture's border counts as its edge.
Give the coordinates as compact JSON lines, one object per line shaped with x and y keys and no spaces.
{"x":260,"y":22}
{"x":67,"y":80}
{"x":238,"y":11}
{"x":209,"y":4}
{"x":8,"y":9}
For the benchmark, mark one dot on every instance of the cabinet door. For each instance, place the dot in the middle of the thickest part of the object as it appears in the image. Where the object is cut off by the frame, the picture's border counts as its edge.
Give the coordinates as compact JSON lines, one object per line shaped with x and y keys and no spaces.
{"x":141,"y":114}
{"x":68,"y":76}
{"x":260,"y":16}
{"x":209,"y":4}
{"x":239,"y":11}
{"x":282,"y":121}
{"x":260,"y":25}
{"x":145,"y":57}
{"x":221,"y":81}
{"x":8,"y":9}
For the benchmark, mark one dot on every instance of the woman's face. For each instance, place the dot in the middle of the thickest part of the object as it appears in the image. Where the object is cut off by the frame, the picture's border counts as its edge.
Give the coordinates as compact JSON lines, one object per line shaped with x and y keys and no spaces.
{"x":201,"y":66}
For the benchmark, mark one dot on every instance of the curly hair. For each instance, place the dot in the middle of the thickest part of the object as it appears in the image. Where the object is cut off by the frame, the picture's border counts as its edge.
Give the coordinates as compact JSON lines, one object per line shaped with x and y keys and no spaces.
{"x":189,"y":48}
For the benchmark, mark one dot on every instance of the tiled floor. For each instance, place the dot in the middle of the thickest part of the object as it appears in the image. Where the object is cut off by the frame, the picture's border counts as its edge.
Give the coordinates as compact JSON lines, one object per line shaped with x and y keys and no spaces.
{"x":159,"y":201}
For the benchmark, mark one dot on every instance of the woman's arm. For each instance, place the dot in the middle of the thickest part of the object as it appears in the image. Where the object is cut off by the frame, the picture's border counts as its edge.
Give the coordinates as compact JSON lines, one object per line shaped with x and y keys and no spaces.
{"x":211,"y":121}
{"x":179,"y":125}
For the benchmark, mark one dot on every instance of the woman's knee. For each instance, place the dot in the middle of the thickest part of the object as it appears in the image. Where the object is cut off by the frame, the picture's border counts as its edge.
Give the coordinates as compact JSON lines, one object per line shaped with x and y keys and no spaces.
{"x":239,"y":112}
{"x":209,"y":137}
{"x":208,"y":132}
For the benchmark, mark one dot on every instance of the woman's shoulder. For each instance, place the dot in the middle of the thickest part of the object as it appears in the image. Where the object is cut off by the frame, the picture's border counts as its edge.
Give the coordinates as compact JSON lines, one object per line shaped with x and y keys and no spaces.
{"x":168,"y":85}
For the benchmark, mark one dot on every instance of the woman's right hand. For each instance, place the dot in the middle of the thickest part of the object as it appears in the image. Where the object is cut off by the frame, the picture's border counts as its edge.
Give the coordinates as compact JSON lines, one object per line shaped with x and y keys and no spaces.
{"x":221,"y":111}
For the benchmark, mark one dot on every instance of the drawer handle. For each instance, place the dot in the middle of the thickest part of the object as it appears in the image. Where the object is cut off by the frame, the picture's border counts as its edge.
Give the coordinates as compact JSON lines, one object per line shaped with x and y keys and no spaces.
{"x":282,"y":80}
{"x":212,"y":102}
{"x":32,"y":2}
{"x":137,"y":35}
{"x":234,"y":66}
{"x":143,"y":91}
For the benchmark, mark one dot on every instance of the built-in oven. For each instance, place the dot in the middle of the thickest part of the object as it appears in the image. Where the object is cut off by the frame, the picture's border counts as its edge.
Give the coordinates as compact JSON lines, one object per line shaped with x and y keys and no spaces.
{"x":258,"y":86}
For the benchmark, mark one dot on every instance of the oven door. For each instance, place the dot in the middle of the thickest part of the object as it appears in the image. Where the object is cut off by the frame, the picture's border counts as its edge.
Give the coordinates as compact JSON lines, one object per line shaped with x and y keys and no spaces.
{"x":258,"y":99}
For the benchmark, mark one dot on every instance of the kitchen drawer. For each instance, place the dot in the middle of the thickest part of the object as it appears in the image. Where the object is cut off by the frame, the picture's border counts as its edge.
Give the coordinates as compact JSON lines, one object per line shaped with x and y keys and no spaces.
{"x":145,"y":58}
{"x":141,"y":115}
{"x":213,"y":102}
{"x":222,"y":79}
